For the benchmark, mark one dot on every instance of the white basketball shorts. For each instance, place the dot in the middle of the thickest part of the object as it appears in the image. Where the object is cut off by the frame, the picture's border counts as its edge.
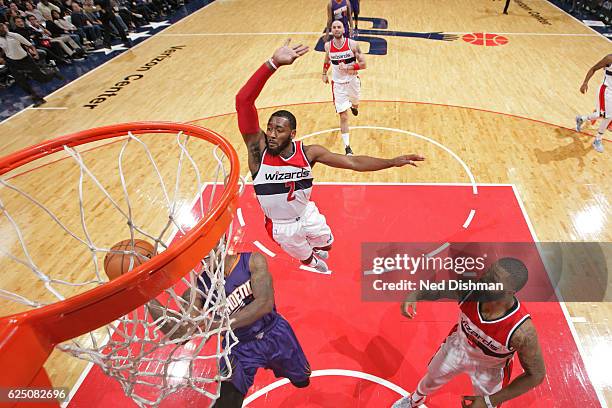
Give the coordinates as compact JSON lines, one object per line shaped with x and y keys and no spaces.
{"x":299,"y":237}
{"x":452,"y":360}
{"x":604,"y":102}
{"x":346,"y":94}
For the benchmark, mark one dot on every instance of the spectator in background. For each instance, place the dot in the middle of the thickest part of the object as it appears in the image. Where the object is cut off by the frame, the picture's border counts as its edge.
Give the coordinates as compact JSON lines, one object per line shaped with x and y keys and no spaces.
{"x":92,"y":30}
{"x":43,"y":45}
{"x":16,"y":10}
{"x":19,"y":62}
{"x":11,"y":15}
{"x":31,"y":11}
{"x":3,"y":10}
{"x":68,"y":46}
{"x":45,"y":8}
{"x":109,"y":19}
{"x":58,"y":27}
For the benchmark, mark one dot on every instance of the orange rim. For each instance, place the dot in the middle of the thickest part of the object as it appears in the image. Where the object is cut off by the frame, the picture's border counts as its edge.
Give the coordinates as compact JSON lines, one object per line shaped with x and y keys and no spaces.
{"x":27,"y":338}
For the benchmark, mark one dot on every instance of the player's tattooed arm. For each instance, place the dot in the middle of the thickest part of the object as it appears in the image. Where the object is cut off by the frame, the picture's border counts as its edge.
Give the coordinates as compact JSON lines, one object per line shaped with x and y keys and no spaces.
{"x":605,"y":61}
{"x":248,"y":120}
{"x":319,"y":154}
{"x":359,"y":55}
{"x":525,"y":342}
{"x":263,"y":293}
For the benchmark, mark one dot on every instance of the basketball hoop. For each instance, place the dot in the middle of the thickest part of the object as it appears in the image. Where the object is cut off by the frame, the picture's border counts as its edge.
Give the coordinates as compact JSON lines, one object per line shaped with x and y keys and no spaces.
{"x":133,"y":335}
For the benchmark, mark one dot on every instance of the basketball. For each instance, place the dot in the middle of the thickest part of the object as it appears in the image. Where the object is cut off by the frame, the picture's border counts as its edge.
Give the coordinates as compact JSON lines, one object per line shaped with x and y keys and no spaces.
{"x":116,"y":264}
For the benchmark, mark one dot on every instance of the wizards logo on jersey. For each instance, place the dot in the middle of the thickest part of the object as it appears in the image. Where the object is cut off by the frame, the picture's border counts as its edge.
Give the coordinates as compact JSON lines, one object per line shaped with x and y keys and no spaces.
{"x":378,"y":45}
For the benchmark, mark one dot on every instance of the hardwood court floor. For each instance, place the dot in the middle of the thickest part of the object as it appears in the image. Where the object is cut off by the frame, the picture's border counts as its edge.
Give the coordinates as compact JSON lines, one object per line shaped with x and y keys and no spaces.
{"x":535,"y":75}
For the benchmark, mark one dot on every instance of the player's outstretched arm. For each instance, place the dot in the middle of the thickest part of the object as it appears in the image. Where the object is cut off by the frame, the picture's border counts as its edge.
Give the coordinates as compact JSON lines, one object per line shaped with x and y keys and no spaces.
{"x":525,"y":342}
{"x":319,"y":154}
{"x":409,"y":305}
{"x":605,"y":61}
{"x":326,"y":63}
{"x":263,"y":293}
{"x":248,"y":121}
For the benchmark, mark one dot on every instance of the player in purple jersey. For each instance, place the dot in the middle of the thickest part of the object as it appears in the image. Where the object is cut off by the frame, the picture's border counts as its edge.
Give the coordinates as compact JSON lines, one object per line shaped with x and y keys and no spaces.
{"x":339,"y":10}
{"x":265,"y":338}
{"x":355,"y":7}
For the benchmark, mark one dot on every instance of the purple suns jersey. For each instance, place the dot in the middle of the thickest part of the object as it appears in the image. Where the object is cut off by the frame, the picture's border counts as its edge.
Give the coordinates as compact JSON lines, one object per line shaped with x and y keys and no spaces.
{"x":340,"y":12}
{"x":239,"y":295}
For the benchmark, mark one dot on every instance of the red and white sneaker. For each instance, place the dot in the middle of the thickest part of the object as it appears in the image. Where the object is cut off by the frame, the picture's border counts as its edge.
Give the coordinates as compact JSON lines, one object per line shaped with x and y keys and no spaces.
{"x":407,"y":402}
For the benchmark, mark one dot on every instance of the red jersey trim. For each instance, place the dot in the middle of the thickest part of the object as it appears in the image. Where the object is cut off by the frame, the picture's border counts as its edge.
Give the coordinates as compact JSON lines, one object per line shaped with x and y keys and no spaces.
{"x":296,"y":159}
{"x":343,"y":47}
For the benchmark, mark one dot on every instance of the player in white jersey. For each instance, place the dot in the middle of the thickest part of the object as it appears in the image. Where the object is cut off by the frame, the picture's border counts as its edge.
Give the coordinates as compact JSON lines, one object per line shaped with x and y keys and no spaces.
{"x":492,"y":327}
{"x":346,"y":59}
{"x":281,"y":169}
{"x":604,"y":101}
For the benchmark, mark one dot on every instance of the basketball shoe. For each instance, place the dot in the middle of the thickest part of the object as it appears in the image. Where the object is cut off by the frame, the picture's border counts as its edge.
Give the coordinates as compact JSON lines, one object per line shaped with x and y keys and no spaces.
{"x":407,"y":402}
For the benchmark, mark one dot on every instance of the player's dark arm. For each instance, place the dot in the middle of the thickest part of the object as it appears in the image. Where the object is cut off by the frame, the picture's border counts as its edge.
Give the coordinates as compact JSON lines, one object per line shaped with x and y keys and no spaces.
{"x":605,"y":61}
{"x":409,"y":305}
{"x":525,"y":342}
{"x":329,"y":21}
{"x":263,"y":294}
{"x":319,"y":154}
{"x":349,"y":9}
{"x":169,"y":321}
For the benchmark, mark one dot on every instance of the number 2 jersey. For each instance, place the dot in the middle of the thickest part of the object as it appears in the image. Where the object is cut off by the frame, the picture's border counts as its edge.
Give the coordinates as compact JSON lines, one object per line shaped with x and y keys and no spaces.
{"x":283,"y":186}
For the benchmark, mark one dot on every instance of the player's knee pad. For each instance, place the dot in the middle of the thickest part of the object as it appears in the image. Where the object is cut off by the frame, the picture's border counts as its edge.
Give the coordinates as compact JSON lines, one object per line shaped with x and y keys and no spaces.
{"x":301,"y":384}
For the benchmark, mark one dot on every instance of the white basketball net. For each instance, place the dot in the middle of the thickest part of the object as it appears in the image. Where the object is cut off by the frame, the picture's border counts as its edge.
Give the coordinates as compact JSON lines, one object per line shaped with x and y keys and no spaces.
{"x":169,"y":344}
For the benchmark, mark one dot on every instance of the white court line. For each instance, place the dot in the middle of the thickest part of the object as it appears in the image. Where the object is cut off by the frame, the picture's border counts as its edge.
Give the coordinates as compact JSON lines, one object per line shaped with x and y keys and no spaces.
{"x":240,"y":218}
{"x":382,"y":33}
{"x":240,"y":34}
{"x":335,"y":373}
{"x":469,"y":219}
{"x":568,"y":318}
{"x":264,"y":249}
{"x":534,"y":34}
{"x":581,"y":23}
{"x":430,"y":140}
{"x":438,"y":250}
{"x":310,"y":269}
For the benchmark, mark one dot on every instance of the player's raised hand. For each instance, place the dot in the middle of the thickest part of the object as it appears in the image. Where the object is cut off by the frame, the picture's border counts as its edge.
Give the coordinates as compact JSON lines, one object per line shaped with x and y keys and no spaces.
{"x":473,"y":401}
{"x":584,"y":88}
{"x":409,"y":309}
{"x":410,"y":159}
{"x":286,"y":54}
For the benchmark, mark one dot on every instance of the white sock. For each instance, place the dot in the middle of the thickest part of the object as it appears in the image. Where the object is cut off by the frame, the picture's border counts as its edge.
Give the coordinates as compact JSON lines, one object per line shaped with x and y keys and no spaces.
{"x":416,"y":397}
{"x":602,"y":128}
{"x":592,"y":116}
{"x":345,"y":139}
